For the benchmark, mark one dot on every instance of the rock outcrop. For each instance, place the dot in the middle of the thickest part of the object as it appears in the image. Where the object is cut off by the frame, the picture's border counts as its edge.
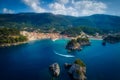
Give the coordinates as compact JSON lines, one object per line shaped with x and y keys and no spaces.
{"x":77,"y":70}
{"x":73,"y":45}
{"x":77,"y":44}
{"x":54,"y":69}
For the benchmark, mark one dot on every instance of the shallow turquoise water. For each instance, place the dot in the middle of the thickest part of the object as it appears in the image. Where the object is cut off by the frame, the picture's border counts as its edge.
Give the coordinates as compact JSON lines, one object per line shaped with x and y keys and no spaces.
{"x":31,"y":61}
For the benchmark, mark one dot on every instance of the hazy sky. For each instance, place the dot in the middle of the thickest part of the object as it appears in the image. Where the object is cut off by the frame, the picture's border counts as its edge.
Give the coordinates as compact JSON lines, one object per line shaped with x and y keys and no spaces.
{"x":65,"y":7}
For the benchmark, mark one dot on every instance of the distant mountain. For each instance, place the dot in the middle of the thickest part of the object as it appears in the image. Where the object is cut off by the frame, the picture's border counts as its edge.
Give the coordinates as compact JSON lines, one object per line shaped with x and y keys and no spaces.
{"x":101,"y":21}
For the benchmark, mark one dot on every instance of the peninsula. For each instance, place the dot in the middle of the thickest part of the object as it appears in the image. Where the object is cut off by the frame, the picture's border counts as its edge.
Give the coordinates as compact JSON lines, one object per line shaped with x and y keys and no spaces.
{"x":11,"y":36}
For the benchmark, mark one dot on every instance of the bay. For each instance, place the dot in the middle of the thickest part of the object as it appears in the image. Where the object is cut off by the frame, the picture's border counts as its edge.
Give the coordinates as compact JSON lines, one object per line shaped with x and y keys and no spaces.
{"x":31,"y":61}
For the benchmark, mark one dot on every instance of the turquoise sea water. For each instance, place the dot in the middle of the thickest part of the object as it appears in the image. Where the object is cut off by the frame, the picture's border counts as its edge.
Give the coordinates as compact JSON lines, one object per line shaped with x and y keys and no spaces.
{"x":31,"y":61}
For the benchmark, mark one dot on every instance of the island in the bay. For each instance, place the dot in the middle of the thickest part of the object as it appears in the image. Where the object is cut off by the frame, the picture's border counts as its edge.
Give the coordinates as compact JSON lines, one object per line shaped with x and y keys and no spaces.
{"x":76,"y":70}
{"x":11,"y":36}
{"x":78,"y":42}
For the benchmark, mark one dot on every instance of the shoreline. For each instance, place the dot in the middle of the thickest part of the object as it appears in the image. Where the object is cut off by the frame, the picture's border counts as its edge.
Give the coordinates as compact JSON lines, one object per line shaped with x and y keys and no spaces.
{"x":95,"y":38}
{"x":12,"y":44}
{"x":19,"y":43}
{"x":52,"y":39}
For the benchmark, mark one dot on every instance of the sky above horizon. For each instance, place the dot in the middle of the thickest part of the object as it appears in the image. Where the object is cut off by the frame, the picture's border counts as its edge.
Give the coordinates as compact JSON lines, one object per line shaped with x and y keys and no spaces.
{"x":64,"y":7}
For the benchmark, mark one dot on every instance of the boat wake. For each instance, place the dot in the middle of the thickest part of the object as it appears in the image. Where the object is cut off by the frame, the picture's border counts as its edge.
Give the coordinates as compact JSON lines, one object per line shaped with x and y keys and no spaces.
{"x":54,"y":39}
{"x":63,"y":55}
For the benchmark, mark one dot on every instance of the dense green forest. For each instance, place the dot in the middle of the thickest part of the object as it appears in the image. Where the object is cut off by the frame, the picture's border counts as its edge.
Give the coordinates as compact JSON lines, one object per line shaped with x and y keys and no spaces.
{"x":75,"y":31}
{"x":11,"y":35}
{"x":11,"y":24}
{"x":70,"y":31}
{"x":106,"y":23}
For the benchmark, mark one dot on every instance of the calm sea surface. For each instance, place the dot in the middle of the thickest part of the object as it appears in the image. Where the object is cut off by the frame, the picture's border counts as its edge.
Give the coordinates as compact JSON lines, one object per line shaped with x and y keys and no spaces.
{"x":31,"y":61}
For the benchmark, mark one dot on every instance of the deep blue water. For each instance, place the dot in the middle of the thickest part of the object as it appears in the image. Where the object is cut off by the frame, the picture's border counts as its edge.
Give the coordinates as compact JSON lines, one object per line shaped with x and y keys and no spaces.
{"x":31,"y":61}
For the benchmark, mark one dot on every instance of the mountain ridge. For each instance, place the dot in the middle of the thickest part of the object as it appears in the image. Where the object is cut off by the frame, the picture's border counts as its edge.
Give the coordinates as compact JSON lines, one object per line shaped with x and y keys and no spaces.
{"x":101,"y":21}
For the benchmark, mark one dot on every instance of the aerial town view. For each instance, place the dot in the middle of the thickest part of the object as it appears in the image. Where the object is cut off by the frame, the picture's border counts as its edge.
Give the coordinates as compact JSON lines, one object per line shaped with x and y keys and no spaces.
{"x":59,"y":40}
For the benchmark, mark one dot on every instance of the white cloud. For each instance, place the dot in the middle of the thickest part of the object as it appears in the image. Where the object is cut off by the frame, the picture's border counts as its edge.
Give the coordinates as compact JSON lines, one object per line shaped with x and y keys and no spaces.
{"x":89,"y":7}
{"x":78,"y":8}
{"x":5,"y":10}
{"x":35,"y":5}
{"x":70,"y":7}
{"x":63,"y":1}
{"x":58,"y":8}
